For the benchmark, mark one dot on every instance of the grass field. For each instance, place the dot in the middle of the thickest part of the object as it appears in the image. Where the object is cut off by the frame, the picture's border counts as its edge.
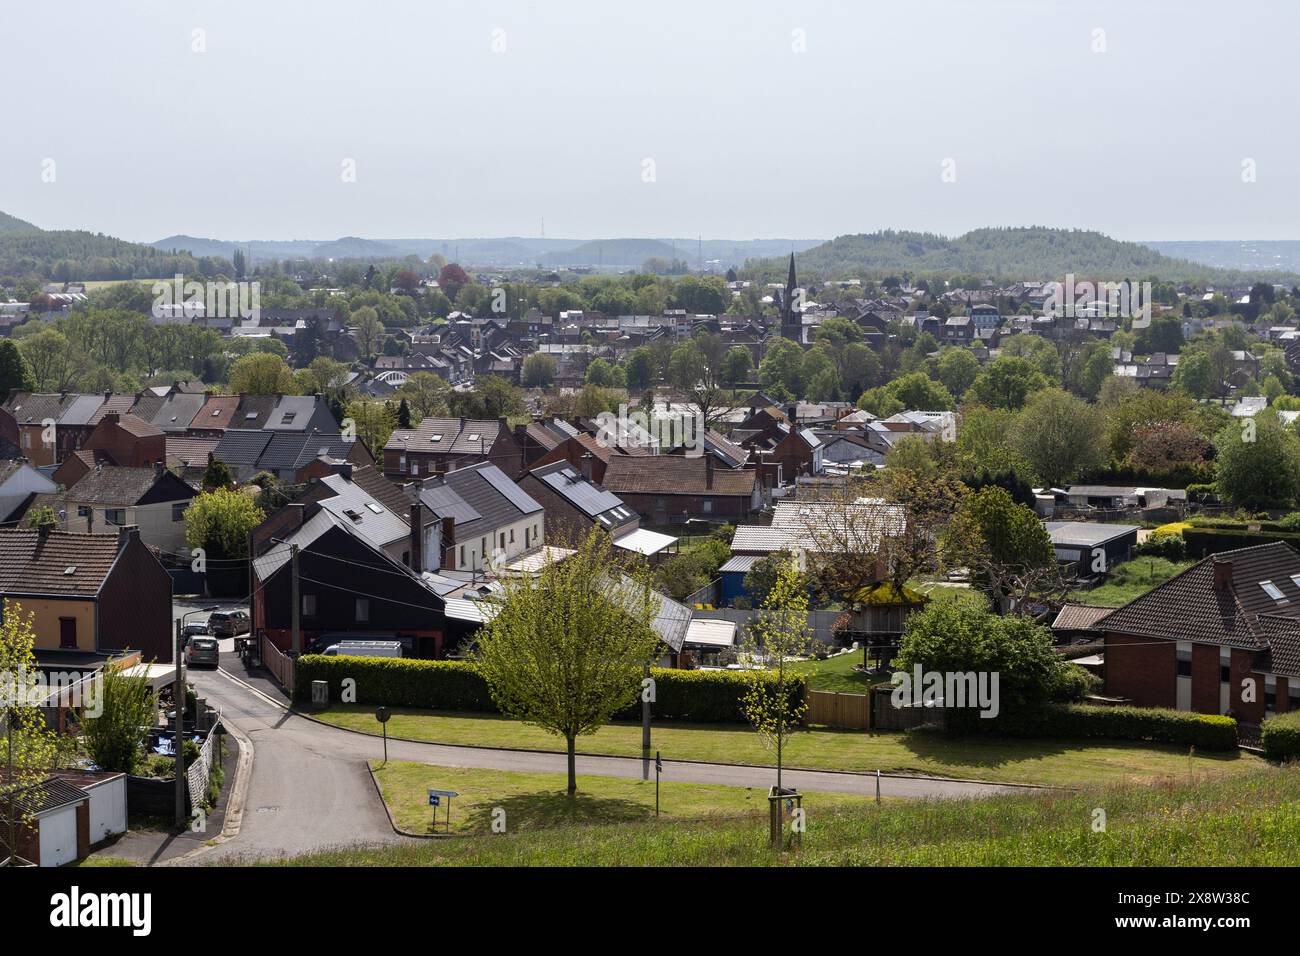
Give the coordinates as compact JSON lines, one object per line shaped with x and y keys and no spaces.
{"x":1247,"y":820}
{"x":837,"y":674}
{"x":536,"y":801}
{"x":1049,"y":762}
{"x":1131,"y":579}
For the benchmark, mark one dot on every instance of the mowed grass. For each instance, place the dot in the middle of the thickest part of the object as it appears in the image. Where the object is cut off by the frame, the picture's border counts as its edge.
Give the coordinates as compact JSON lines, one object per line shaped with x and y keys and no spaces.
{"x":1049,"y":762}
{"x":536,"y":801}
{"x":1248,"y":820}
{"x":837,"y":674}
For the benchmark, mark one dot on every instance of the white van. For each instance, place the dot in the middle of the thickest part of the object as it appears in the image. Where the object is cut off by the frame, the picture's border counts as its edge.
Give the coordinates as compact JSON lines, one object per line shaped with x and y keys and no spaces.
{"x":364,"y":649}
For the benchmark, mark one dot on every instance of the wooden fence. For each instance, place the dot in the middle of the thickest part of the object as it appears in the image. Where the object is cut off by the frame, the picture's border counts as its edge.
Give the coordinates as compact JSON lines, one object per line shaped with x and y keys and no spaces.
{"x":277,"y":662}
{"x":852,"y":711}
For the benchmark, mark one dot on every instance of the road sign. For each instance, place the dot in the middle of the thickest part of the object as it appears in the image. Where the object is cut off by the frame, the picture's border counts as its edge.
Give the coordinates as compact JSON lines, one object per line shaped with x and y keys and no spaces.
{"x":434,"y":800}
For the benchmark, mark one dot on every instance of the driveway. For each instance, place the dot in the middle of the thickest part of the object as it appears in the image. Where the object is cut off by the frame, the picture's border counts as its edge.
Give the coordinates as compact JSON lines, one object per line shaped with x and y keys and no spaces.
{"x":310,"y":788}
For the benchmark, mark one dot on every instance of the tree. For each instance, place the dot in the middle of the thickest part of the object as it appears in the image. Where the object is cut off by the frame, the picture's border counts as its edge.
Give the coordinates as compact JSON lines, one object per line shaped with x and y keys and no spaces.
{"x":217,"y":474}
{"x":737,"y":366}
{"x":1258,"y":464}
{"x":427,"y":395}
{"x":1060,"y":436}
{"x":15,"y":374}
{"x":1007,"y":382}
{"x":640,"y":368}
{"x":30,"y":747}
{"x":403,"y":414}
{"x":782,"y":365}
{"x":114,"y":739}
{"x":1195,"y":374}
{"x":957,"y":369}
{"x":1005,"y":546}
{"x":780,"y":631}
{"x":374,"y":422}
{"x":452,"y":279}
{"x":492,"y":397}
{"x":600,"y":373}
{"x":50,"y":357}
{"x":369,"y":331}
{"x":261,"y":373}
{"x":696,"y":368}
{"x":539,"y":370}
{"x":219,"y":522}
{"x":960,"y":637}
{"x":565,"y":649}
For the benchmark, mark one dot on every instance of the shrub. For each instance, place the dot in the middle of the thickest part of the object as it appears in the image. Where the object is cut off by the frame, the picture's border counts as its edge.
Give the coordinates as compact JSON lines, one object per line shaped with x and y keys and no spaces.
{"x":1167,"y":545}
{"x":1290,"y":522}
{"x":1281,"y":736}
{"x":1150,"y":724}
{"x":699,"y":696}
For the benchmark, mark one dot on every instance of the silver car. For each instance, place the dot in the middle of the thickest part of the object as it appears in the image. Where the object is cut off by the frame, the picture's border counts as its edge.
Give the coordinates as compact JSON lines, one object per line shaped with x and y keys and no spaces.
{"x":202,"y":650}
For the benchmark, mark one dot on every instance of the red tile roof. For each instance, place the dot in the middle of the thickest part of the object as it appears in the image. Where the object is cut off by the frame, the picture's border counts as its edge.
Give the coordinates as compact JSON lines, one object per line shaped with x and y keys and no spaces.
{"x":62,"y":563}
{"x":673,"y":475}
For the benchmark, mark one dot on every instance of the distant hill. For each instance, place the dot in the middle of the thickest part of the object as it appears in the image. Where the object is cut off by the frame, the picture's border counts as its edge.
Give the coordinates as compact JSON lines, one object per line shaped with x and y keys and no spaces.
{"x":11,"y":224}
{"x":68,"y":254}
{"x":1268,"y":254}
{"x":1034,"y":252}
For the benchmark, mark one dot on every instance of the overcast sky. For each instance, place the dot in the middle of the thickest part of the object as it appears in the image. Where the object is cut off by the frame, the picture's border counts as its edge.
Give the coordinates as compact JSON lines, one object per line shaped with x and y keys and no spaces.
{"x":749,"y":136}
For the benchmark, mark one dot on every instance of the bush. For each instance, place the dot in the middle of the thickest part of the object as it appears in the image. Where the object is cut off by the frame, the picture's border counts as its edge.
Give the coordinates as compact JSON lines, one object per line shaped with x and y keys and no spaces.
{"x":1165,"y":545}
{"x":1149,"y":724}
{"x":699,"y":696}
{"x":1281,"y":736}
{"x":1290,"y":522}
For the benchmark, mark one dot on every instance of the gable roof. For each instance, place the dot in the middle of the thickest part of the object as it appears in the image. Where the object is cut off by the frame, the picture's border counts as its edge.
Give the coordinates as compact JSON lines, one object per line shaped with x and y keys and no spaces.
{"x":369,"y":517}
{"x":591,"y":499}
{"x":459,"y":436}
{"x":32,"y":408}
{"x":674,"y":475}
{"x":60,"y":563}
{"x":179,"y":411}
{"x":116,"y":485}
{"x":482,"y":490}
{"x":1188,"y":607}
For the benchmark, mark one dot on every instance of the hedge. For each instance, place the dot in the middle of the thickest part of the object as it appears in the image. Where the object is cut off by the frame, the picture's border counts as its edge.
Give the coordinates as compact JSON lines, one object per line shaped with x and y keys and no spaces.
{"x":699,"y":696}
{"x":1202,"y":542}
{"x":1148,"y":724}
{"x":1281,"y":736}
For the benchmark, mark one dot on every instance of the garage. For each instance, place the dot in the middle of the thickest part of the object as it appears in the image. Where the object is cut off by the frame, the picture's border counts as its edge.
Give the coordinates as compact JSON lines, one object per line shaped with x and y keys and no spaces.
{"x":107,"y":793}
{"x":58,"y":812}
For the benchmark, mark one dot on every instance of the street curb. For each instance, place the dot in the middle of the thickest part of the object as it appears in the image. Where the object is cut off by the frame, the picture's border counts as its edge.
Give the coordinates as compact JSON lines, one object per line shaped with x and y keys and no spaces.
{"x":234,"y":805}
{"x":866,"y":774}
{"x":393,"y":823}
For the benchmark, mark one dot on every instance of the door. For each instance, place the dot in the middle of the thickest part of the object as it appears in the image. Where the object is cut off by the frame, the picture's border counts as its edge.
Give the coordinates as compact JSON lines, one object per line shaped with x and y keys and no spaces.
{"x":68,"y":632}
{"x":59,"y":837}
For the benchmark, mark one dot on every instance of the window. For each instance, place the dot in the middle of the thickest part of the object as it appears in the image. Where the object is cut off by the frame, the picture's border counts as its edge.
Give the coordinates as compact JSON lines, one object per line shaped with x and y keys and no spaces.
{"x":83,"y":511}
{"x":1293,"y":694}
{"x":178,"y":511}
{"x":707,"y":506}
{"x":287,"y":418}
{"x":512,"y":535}
{"x":415,"y":467}
{"x":309,"y":605}
{"x":401,"y":463}
{"x":1270,"y":693}
{"x":68,"y":632}
{"x":1225,"y":674}
{"x":1184,"y":662}
{"x":363,"y":609}
{"x":462,"y":556}
{"x":1272,"y":590}
{"x":27,"y":439}
{"x":374,"y":508}
{"x":528,"y":533}
{"x":115,"y":516}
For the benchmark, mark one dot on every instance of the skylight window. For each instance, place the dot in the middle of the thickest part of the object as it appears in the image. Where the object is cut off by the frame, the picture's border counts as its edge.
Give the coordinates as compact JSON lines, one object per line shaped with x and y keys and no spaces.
{"x":371,"y":506}
{"x":249,"y":416}
{"x":1295,"y":579}
{"x":475,"y":438}
{"x":70,"y":569}
{"x":435,"y":438}
{"x":1272,"y":590}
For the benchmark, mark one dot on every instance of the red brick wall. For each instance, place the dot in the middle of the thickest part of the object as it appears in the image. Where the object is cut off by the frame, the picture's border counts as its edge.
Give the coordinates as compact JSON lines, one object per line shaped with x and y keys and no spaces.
{"x":1142,"y":669}
{"x":1205,"y":678}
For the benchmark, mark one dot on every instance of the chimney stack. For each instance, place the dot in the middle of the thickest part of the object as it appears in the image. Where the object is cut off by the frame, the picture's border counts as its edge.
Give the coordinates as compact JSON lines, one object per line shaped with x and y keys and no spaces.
{"x":585,"y":464}
{"x":448,"y":544}
{"x":708,"y":471}
{"x":296,"y":514}
{"x":417,"y":537}
{"x":1222,"y":574}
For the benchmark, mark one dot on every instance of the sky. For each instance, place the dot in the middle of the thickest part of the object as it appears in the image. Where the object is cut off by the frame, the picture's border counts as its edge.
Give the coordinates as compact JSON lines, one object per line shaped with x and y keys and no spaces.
{"x":242,"y":119}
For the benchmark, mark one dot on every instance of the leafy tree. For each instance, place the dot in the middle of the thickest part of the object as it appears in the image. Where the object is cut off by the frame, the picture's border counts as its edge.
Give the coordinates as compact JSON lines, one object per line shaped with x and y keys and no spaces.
{"x":426,"y":394}
{"x":492,"y":397}
{"x":1006,"y":382}
{"x":777,"y":633}
{"x":1060,"y":436}
{"x":640,"y":368}
{"x":217,"y":474}
{"x":565,"y":649}
{"x":368,"y":331}
{"x":15,"y":374}
{"x":957,"y":369}
{"x":115,"y":739}
{"x":737,"y":366}
{"x":1258,"y":464}
{"x":600,"y":373}
{"x":782,"y":365}
{"x":1036,"y":350}
{"x":374,"y":422}
{"x":261,"y":374}
{"x":539,"y":370}
{"x":51,"y":359}
{"x":219,"y":522}
{"x":1004,"y":545}
{"x":452,"y":279}
{"x":403,"y":414}
{"x":1195,"y":374}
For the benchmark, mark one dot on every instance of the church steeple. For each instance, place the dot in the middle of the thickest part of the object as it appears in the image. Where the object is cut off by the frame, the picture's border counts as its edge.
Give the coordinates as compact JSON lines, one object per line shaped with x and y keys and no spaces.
{"x":791,"y":283}
{"x":791,"y":323}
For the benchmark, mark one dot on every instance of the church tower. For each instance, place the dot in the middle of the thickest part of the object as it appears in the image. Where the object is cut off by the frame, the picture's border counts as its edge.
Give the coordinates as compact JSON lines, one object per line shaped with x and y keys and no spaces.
{"x":791,"y":312}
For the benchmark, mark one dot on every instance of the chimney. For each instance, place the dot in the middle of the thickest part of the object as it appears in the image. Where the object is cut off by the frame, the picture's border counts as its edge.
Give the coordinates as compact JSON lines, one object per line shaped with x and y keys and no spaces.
{"x":708,"y":471}
{"x":585,"y":463}
{"x":113,"y":417}
{"x":158,"y":468}
{"x":417,"y":537}
{"x":296,"y":514}
{"x":125,"y":535}
{"x":44,"y":528}
{"x":1222,"y":574}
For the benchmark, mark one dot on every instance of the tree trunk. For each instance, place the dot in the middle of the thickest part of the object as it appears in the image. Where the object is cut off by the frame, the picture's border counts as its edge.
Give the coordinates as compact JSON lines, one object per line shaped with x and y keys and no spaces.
{"x":573,"y":764}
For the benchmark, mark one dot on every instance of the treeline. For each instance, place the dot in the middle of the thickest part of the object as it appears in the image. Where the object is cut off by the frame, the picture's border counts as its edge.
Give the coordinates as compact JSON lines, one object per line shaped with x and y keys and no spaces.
{"x":68,"y":256}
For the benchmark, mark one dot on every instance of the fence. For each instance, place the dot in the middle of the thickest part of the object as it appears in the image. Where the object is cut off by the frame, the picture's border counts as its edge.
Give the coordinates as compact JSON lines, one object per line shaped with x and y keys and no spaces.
{"x":852,"y":711}
{"x":277,"y":662}
{"x":198,"y":773}
{"x":886,"y":716}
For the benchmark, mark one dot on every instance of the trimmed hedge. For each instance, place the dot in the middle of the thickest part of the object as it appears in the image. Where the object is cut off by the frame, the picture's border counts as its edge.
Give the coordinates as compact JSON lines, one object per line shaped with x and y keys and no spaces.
{"x":1281,"y":736}
{"x":1202,"y":541}
{"x":700,"y":696}
{"x":1152,"y":725}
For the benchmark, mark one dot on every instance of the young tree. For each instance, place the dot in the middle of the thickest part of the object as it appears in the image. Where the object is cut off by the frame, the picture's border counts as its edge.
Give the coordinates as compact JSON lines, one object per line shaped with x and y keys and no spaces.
{"x":1059,"y":435}
{"x":566,"y":649}
{"x":261,"y":373}
{"x":539,"y":370}
{"x":115,"y":738}
{"x":30,"y":747}
{"x":774,"y":701}
{"x":426,"y":393}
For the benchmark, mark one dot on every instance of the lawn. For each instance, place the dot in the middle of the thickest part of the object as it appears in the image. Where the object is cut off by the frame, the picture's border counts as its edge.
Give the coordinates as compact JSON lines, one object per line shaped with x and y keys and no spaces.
{"x":535,"y":801}
{"x":837,"y":674}
{"x":1131,"y":579}
{"x":1248,"y":820}
{"x":1048,"y":762}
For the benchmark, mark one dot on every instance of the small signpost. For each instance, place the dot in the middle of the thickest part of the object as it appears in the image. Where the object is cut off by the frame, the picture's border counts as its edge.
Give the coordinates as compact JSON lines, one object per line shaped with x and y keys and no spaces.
{"x":382,"y":715}
{"x":659,"y":768}
{"x":435,"y":800}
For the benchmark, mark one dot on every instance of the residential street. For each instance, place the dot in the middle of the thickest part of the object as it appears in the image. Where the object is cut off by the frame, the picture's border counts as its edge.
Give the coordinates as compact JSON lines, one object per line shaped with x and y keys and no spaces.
{"x":310,"y":789}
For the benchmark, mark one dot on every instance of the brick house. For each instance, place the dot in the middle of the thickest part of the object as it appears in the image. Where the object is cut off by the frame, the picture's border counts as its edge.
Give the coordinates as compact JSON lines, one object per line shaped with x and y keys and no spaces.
{"x":440,"y":445}
{"x":117,"y":439}
{"x":672,"y":488}
{"x":1222,"y":637}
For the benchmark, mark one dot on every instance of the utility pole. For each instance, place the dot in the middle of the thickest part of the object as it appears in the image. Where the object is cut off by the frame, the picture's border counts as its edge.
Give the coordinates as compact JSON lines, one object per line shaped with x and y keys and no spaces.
{"x":645,"y":725}
{"x":178,"y":695}
{"x":297,"y":602}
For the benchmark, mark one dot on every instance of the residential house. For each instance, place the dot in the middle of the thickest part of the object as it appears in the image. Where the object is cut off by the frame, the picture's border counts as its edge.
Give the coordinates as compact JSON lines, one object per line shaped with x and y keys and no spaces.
{"x":487,"y":519}
{"x":672,"y":489}
{"x":117,"y":439}
{"x":574,"y":503}
{"x":150,"y":499}
{"x":441,"y":445}
{"x":19,"y":483}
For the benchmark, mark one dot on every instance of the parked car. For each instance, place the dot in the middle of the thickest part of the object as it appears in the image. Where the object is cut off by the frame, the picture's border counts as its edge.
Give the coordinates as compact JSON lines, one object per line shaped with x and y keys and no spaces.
{"x":229,"y":623}
{"x":193,"y":630}
{"x":202,"y":650}
{"x":364,"y":649}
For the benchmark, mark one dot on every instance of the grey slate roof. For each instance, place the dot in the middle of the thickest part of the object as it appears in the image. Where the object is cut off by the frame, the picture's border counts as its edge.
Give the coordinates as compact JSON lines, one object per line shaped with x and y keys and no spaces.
{"x":478,"y":488}
{"x":178,"y":411}
{"x":242,"y":446}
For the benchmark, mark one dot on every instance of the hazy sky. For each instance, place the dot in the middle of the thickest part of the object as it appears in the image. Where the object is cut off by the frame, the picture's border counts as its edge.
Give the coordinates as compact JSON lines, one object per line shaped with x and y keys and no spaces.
{"x":748,"y":136}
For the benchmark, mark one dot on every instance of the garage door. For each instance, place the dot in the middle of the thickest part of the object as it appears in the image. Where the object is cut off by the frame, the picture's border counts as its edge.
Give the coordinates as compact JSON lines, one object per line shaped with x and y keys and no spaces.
{"x":107,"y":809}
{"x":59,"y":837}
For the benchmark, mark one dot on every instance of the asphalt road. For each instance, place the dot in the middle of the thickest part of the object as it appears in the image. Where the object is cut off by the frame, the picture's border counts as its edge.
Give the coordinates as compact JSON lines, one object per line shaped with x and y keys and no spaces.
{"x":310,"y":789}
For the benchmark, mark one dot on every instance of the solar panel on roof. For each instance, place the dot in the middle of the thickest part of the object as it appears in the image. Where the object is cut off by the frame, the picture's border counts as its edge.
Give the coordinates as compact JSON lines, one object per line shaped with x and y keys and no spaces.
{"x":588,"y":497}
{"x":445,"y":503}
{"x":495,"y":477}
